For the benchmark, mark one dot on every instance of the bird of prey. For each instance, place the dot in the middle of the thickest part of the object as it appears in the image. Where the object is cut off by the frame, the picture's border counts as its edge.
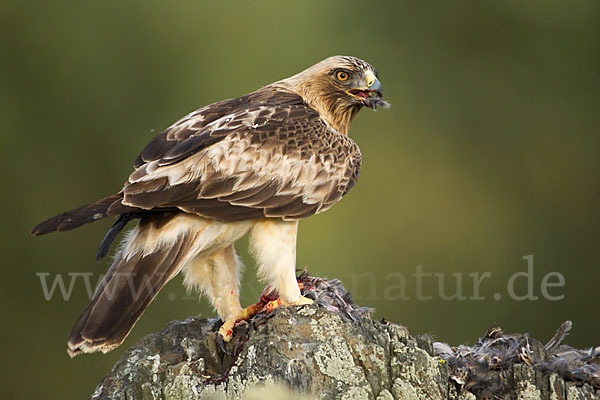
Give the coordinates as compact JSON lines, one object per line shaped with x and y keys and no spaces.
{"x":255,"y":164}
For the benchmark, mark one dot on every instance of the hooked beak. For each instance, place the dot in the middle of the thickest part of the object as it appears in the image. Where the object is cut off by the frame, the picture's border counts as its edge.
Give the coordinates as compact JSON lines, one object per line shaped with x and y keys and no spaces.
{"x":372,"y":94}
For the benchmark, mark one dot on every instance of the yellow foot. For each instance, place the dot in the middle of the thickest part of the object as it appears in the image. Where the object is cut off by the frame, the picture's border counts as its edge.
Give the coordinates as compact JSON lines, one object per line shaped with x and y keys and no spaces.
{"x":226,"y":330}
{"x":270,"y":306}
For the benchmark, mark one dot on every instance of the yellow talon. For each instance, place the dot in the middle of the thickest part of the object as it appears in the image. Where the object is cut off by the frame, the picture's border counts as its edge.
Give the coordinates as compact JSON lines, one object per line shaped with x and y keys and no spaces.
{"x":302,"y":301}
{"x":226,"y":330}
{"x":270,"y":306}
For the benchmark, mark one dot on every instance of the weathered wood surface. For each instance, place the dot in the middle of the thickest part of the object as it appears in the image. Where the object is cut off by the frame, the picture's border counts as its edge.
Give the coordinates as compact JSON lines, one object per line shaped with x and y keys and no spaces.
{"x":334,"y":350}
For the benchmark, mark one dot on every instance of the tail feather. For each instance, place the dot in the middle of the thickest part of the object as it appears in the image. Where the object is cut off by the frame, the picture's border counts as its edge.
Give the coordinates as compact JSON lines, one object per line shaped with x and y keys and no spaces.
{"x":132,"y":282}
{"x":82,"y":215}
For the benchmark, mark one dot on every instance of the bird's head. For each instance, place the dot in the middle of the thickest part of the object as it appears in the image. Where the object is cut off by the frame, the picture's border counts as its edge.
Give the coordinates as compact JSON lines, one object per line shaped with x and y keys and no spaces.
{"x":338,"y":87}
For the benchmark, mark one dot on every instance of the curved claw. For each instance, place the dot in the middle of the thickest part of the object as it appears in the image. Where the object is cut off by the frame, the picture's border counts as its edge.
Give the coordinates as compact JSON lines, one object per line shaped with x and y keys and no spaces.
{"x":221,"y":344}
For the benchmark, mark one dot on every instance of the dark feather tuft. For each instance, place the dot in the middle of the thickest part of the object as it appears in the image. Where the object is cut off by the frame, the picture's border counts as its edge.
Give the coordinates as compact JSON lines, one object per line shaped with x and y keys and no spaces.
{"x":112,"y":234}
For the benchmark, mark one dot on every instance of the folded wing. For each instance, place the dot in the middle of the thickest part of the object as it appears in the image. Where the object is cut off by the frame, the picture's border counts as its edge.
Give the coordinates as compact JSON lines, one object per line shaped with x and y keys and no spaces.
{"x":275,"y":158}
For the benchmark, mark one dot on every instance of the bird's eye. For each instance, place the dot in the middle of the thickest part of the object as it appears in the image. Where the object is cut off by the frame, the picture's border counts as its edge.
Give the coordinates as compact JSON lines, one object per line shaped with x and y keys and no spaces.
{"x":342,"y":75}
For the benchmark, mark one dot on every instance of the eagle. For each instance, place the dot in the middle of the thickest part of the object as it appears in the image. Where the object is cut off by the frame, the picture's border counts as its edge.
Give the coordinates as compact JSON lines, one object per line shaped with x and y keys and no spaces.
{"x":256,"y":165}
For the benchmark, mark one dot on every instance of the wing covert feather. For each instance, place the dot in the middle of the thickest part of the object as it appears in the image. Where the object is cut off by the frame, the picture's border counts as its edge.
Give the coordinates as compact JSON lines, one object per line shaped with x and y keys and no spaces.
{"x":246,"y":159}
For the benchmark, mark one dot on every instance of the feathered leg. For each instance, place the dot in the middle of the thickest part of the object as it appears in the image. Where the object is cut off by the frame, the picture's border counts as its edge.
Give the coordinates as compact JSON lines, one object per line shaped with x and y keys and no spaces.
{"x":273,"y":243}
{"x":218,"y":276}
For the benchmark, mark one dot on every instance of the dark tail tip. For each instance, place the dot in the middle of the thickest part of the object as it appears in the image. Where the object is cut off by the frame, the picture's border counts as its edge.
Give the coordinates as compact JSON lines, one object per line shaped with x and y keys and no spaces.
{"x":82,"y":215}
{"x":51,"y":224}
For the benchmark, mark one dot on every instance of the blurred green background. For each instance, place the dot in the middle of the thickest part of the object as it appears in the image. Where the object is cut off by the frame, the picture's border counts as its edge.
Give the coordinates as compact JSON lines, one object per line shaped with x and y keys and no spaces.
{"x":488,"y":154}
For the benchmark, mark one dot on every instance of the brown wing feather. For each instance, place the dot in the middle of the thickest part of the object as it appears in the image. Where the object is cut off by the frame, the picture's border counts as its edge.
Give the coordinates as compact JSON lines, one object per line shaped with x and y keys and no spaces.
{"x":196,"y":130}
{"x":274,"y":160}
